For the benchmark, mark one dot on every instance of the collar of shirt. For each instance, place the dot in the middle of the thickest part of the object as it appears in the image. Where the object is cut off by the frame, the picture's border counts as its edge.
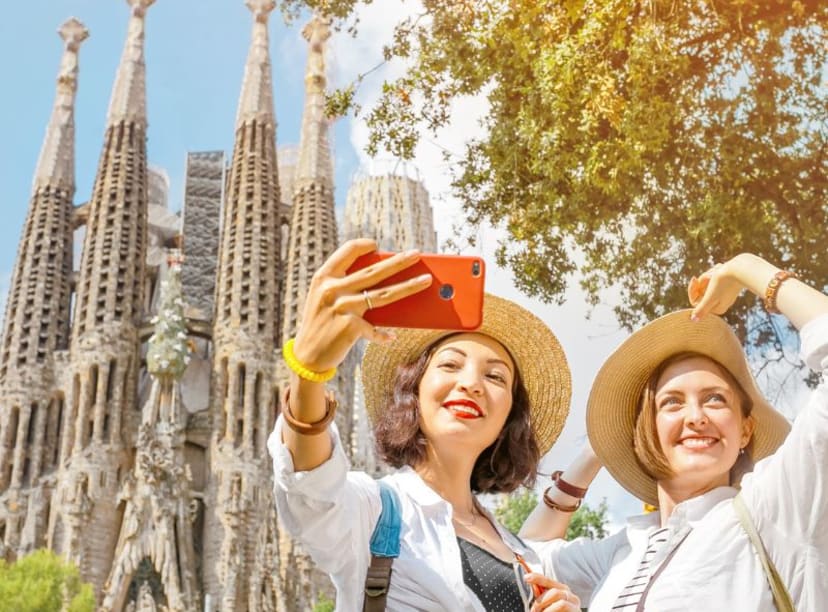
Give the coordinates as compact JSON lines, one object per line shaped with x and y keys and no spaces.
{"x":434,"y":505}
{"x":685,"y":516}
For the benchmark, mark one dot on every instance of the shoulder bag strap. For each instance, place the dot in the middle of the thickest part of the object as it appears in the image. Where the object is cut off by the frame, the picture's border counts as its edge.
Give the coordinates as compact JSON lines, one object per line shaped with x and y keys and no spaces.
{"x":781,"y":597}
{"x":385,"y":547}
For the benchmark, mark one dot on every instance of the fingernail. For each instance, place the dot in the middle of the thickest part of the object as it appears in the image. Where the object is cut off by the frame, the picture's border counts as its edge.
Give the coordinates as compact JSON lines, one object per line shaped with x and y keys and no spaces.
{"x":412,"y":252}
{"x":694,"y":317}
{"x":423,"y":278}
{"x":388,"y":338}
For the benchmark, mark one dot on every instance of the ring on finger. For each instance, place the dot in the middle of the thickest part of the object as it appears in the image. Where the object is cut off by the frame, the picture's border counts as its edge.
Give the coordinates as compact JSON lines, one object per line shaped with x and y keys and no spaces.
{"x":368,"y":301}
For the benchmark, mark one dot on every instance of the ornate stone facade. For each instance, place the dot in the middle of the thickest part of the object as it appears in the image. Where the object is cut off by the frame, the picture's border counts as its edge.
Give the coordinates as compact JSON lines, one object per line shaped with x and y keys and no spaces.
{"x":394,"y":209}
{"x":133,"y":428}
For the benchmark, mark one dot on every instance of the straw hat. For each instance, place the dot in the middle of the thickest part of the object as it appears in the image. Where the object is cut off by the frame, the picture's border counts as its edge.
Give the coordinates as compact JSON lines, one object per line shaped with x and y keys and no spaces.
{"x":535,"y":349}
{"x":613,"y":401}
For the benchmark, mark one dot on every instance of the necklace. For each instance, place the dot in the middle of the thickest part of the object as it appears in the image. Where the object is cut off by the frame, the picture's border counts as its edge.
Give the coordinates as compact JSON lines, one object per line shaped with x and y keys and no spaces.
{"x":495,"y":547}
{"x":467,"y":525}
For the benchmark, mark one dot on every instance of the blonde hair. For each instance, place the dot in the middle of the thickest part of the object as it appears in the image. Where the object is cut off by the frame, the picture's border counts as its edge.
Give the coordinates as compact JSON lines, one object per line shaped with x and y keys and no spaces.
{"x":648,"y":449}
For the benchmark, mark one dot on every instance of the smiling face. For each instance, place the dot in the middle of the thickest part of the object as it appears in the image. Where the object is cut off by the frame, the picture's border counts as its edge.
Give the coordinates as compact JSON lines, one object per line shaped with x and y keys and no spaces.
{"x":699,"y":424}
{"x":465,"y":393}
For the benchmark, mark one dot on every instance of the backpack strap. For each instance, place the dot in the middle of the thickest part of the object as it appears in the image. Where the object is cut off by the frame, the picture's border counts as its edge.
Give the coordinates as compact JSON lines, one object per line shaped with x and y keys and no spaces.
{"x":781,"y":597}
{"x":385,"y":547}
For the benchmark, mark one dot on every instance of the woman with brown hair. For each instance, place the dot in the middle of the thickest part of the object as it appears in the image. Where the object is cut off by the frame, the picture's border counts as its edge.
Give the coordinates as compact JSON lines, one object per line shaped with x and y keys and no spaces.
{"x":456,"y":413}
{"x":676,"y":417}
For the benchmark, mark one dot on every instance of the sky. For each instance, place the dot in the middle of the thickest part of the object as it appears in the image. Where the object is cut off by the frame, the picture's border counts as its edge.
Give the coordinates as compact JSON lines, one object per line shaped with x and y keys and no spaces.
{"x":195,"y":54}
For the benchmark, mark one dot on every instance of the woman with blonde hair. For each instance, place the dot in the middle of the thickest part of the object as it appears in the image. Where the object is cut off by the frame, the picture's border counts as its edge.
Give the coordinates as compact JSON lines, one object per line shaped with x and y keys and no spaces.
{"x":742,"y":504}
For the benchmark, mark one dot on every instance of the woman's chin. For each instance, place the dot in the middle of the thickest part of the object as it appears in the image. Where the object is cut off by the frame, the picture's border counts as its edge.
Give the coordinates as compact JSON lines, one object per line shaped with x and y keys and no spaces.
{"x":699,"y":475}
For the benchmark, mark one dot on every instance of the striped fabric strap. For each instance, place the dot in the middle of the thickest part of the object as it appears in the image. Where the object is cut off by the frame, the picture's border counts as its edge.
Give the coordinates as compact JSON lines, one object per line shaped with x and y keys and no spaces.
{"x":631,"y":594}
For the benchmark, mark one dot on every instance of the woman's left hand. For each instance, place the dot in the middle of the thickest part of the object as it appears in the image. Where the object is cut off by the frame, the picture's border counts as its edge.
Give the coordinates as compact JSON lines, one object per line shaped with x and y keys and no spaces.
{"x":716,"y":289}
{"x":556,"y":596}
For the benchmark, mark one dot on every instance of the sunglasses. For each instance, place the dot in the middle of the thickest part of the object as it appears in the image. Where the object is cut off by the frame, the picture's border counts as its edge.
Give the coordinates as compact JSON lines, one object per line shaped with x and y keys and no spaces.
{"x":529,"y":592}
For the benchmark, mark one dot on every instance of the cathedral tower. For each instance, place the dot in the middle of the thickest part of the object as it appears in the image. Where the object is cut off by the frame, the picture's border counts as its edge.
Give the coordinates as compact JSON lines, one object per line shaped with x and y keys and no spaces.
{"x":109,"y":305}
{"x":313,"y":237}
{"x":240,"y":519}
{"x":313,"y":234}
{"x":37,"y":321}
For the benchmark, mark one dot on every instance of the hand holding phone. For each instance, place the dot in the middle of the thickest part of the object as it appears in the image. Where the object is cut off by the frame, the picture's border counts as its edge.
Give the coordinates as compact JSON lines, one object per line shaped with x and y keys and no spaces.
{"x":454,"y":300}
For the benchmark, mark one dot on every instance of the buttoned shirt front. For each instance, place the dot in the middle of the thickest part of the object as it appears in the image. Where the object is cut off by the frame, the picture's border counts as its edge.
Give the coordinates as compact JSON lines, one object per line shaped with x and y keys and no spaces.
{"x":332,"y":512}
{"x":716,"y":567}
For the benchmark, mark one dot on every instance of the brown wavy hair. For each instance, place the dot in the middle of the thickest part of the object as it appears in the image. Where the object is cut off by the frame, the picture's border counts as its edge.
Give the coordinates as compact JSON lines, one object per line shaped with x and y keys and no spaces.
{"x":648,"y":449}
{"x":510,"y":461}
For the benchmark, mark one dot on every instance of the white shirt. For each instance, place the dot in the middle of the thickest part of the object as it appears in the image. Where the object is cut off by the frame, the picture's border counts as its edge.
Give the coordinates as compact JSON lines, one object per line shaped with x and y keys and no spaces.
{"x":716,"y":567}
{"x":332,"y":512}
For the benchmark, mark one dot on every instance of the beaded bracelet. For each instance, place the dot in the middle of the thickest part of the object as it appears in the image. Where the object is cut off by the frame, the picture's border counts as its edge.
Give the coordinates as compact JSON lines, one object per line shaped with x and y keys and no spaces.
{"x":773,"y":288}
{"x":300,"y":369}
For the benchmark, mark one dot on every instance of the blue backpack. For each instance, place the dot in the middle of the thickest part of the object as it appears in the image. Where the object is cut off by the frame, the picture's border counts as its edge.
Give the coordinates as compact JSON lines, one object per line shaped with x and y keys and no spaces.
{"x":385,"y":547}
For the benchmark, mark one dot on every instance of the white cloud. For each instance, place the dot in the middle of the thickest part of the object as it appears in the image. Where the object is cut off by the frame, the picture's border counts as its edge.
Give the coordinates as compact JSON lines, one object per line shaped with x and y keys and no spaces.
{"x":586,"y":342}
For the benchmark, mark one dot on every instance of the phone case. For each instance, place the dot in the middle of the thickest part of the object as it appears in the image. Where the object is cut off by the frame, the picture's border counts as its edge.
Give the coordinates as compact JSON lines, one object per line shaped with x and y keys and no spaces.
{"x":454,"y":300}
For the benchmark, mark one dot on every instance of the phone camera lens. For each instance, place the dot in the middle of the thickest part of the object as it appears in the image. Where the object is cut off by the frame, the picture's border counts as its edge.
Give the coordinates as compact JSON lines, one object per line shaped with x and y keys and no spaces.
{"x":475,"y":268}
{"x":446,"y":291}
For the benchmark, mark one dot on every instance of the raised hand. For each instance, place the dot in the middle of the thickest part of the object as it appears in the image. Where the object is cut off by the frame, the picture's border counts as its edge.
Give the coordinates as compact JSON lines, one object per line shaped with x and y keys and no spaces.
{"x":332,"y":319}
{"x":716,"y":289}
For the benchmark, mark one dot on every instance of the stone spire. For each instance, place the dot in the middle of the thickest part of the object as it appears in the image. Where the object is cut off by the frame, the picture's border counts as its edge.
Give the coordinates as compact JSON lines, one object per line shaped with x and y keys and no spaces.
{"x":37,"y":322}
{"x":112,"y":264}
{"x":43,"y":273}
{"x":313,"y":233}
{"x":109,"y":307}
{"x":129,"y":96}
{"x":313,"y":237}
{"x":314,"y":148}
{"x":56,"y":164}
{"x":245,"y":337}
{"x":256,"y":100}
{"x":247,"y":288}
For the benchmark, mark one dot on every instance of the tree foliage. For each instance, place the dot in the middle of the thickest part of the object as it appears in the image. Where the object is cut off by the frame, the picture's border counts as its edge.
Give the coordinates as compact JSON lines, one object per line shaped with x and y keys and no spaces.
{"x":43,"y":581}
{"x":324,"y":604}
{"x":513,"y":509}
{"x":586,"y":522}
{"x":634,"y":142}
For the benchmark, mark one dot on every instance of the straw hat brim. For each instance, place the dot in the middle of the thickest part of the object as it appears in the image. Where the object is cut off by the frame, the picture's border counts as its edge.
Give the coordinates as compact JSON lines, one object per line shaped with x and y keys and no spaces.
{"x":615,"y":395}
{"x":538,"y":355}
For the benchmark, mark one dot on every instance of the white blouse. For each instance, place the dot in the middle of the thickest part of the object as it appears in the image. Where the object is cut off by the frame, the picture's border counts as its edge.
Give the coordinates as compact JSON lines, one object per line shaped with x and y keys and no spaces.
{"x":716,"y":567}
{"x":333,"y":511}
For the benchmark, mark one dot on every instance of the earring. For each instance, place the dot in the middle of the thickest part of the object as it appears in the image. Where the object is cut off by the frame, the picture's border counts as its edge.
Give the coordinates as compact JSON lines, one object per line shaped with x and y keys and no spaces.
{"x":742,"y":451}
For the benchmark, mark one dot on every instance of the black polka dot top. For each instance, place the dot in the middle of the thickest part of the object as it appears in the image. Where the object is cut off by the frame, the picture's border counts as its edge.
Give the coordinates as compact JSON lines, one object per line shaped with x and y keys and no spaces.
{"x":494,"y":581}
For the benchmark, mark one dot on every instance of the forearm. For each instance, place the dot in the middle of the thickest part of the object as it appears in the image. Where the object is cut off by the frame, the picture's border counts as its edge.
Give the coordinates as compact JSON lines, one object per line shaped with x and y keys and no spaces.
{"x":799,"y":302}
{"x":544,"y":523}
{"x":306,"y":403}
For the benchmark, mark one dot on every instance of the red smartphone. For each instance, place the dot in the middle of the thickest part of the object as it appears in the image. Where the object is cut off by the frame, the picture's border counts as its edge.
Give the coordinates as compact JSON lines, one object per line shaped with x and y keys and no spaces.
{"x":454,"y":300}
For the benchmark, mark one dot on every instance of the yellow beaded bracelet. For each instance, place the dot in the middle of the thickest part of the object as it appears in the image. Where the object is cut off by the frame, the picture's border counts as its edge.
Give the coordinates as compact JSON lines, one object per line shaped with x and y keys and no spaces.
{"x":301,"y":370}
